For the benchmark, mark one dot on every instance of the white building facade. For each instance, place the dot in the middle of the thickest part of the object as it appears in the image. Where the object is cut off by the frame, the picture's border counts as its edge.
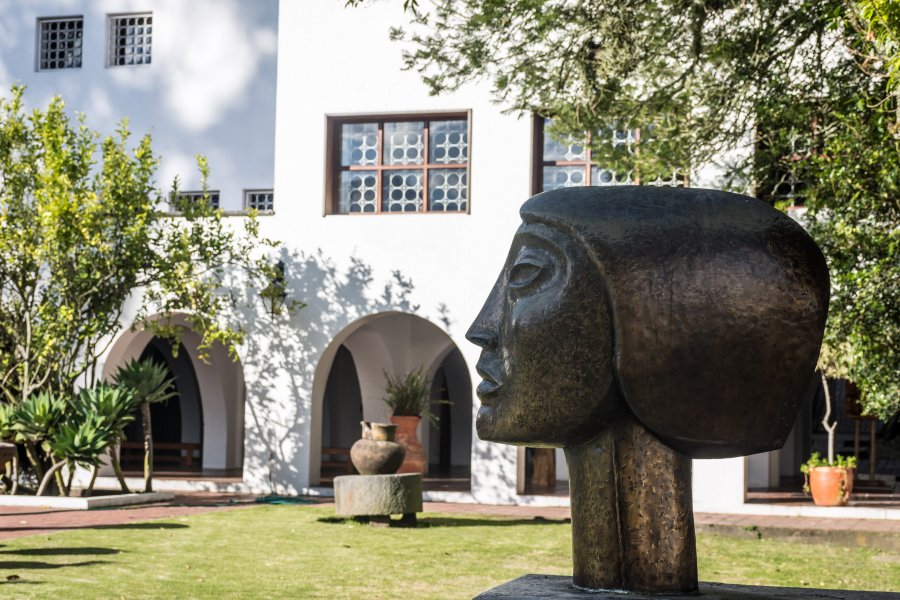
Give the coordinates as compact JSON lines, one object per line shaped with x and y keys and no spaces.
{"x":395,"y":210}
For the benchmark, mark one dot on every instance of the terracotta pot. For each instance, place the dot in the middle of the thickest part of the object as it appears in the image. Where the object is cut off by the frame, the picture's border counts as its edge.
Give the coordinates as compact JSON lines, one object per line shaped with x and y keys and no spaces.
{"x":376,"y":453}
{"x":831,"y":486}
{"x":415,"y":461}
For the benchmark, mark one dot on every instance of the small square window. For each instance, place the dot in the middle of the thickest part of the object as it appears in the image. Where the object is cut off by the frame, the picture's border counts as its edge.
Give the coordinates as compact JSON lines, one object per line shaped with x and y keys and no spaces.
{"x":259,"y":200}
{"x":59,"y":43}
{"x":199,"y":196}
{"x":130,"y":39}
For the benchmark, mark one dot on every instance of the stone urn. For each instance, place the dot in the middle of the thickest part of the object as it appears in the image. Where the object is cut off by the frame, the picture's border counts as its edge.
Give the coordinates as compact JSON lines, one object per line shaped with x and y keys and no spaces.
{"x":376,"y":452}
{"x":415,"y":461}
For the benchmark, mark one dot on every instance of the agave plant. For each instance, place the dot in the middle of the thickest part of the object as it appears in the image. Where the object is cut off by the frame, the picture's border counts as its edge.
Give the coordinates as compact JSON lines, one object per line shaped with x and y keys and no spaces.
{"x":81,"y":440}
{"x":150,"y":383}
{"x":114,"y":407}
{"x":34,"y":421}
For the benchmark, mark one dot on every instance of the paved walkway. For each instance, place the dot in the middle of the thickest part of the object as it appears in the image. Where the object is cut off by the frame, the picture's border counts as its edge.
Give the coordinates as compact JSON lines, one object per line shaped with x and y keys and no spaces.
{"x":22,"y":521}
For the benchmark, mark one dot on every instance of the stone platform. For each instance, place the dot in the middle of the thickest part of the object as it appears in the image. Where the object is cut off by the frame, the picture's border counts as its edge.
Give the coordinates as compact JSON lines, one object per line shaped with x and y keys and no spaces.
{"x":378,"y":495}
{"x":558,"y":587}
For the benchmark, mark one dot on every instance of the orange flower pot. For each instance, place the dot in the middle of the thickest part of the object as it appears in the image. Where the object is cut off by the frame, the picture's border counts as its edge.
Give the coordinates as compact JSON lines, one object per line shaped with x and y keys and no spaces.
{"x":415,"y":461}
{"x":831,"y":486}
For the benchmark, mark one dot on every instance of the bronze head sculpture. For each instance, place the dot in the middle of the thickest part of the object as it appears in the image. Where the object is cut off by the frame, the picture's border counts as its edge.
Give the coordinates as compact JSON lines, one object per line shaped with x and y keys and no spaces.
{"x":637,"y":328}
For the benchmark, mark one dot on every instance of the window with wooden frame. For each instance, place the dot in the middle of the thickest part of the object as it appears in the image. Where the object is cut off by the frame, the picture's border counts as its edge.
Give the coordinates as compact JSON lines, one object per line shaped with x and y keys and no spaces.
{"x":570,"y":164}
{"x":398,"y":164}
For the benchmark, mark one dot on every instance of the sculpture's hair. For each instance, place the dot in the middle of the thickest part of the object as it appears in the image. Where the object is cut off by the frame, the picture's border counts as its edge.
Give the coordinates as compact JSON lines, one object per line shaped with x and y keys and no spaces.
{"x":718,"y":303}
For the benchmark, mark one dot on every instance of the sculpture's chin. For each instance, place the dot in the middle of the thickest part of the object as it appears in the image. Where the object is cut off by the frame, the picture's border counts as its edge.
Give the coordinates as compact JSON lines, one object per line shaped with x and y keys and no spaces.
{"x":485,"y":422}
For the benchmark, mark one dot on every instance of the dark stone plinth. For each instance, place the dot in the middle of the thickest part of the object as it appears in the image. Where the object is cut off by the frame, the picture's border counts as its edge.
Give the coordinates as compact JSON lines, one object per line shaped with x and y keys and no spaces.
{"x":373,"y":495}
{"x":558,"y":587}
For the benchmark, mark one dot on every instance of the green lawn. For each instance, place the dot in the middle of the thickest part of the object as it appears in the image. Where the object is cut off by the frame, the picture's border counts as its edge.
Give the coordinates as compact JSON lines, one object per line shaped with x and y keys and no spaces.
{"x":303,"y":552}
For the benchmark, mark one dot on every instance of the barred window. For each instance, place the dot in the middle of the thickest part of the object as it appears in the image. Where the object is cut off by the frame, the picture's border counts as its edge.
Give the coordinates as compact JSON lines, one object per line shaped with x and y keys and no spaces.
{"x":130,"y":39}
{"x":416,"y":163}
{"x":259,"y":200}
{"x":60,"y":43}
{"x":199,"y":196}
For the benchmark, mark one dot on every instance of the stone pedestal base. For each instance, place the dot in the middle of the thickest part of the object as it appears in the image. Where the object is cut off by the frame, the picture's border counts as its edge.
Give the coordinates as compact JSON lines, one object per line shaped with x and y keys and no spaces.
{"x":378,"y":495}
{"x":557,"y":587}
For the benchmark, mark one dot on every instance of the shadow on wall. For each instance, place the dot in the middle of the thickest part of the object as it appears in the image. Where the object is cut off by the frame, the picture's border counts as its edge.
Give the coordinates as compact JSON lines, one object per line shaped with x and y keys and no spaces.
{"x":281,"y":353}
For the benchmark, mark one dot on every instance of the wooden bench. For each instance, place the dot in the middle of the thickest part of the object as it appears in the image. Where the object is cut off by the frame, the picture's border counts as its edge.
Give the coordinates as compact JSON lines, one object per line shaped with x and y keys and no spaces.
{"x":183,"y":455}
{"x":338,"y":461}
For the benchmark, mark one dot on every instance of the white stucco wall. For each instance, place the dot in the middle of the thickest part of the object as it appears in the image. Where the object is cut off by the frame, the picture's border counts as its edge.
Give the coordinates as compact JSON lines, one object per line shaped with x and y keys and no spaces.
{"x":210,"y":88}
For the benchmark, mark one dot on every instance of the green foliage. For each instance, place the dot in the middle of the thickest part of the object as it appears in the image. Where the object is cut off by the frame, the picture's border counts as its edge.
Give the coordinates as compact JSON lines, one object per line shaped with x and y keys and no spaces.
{"x":815,"y":460}
{"x":81,"y":233}
{"x":146,"y":380}
{"x":82,"y":441}
{"x":409,"y":395}
{"x":37,"y":418}
{"x":113,"y":406}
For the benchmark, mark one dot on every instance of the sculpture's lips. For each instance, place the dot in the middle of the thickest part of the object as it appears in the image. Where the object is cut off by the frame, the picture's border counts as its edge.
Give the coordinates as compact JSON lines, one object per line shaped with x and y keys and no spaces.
{"x":490,"y":371}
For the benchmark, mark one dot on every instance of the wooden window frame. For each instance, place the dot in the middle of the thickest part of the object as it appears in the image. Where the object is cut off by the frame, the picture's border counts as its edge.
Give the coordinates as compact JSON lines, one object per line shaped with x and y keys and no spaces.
{"x":333,"y":167}
{"x":538,"y":163}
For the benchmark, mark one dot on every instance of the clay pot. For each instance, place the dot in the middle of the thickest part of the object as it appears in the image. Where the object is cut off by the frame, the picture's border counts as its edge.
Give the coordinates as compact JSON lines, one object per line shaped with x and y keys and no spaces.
{"x":415,"y":461}
{"x":376,"y":453}
{"x":831,"y":486}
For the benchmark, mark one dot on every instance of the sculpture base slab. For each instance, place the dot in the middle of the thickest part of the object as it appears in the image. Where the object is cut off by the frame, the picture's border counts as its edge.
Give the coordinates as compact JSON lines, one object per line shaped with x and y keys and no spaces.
{"x":374,"y":495}
{"x":558,"y":587}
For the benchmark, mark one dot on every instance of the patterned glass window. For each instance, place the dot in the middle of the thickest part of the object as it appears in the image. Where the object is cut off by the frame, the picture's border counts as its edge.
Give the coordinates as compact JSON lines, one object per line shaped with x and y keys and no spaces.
{"x":199,"y":196}
{"x":417,"y":164}
{"x":130,"y":39}
{"x":60,"y":43}
{"x":569,"y":163}
{"x":259,"y":200}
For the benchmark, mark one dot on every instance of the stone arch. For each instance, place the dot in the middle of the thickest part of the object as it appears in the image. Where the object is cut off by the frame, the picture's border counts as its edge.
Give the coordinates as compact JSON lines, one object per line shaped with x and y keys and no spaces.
{"x":220,"y":380}
{"x":394,"y":342}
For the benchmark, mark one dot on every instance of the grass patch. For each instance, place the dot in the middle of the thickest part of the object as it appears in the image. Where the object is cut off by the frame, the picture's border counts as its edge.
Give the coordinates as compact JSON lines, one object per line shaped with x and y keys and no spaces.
{"x":303,"y":552}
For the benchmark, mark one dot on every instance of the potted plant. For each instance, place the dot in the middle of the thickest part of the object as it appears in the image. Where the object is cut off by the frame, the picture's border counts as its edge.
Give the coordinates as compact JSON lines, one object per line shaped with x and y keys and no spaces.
{"x":408,"y":396}
{"x":830,"y":481}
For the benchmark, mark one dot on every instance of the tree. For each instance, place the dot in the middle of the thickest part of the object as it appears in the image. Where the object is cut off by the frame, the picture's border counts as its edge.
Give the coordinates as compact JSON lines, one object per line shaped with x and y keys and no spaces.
{"x":797,"y":86}
{"x":81,"y":235}
{"x":149,"y":383}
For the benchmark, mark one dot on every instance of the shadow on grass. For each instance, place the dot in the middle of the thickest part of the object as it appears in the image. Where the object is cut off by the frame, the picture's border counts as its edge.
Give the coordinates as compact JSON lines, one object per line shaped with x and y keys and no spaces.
{"x":426,"y":522}
{"x":61,"y":551}
{"x":12,"y":565}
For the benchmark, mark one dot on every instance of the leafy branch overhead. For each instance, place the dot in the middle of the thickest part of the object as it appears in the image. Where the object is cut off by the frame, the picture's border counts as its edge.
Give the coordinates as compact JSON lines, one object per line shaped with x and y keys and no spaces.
{"x":793,"y":100}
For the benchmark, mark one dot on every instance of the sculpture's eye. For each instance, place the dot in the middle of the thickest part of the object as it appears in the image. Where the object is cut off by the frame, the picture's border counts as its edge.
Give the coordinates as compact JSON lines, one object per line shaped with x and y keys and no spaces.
{"x":526,"y":271}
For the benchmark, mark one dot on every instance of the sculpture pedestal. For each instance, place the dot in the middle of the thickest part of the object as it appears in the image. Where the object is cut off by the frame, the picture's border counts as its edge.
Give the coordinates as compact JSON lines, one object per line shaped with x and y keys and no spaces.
{"x":559,"y":587}
{"x":379,"y":496}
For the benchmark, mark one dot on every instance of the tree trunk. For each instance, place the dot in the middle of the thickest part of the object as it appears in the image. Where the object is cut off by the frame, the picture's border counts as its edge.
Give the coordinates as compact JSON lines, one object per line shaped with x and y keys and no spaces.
{"x":48,"y":476}
{"x":15,"y":475}
{"x":60,"y":483}
{"x":34,"y":459}
{"x":829,"y":428}
{"x":114,"y":460}
{"x":148,"y":447}
{"x":69,"y":479}
{"x":90,"y":487}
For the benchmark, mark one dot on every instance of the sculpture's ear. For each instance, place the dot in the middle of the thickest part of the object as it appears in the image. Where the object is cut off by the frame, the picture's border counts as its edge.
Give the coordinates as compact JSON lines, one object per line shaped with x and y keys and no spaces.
{"x":719,"y":305}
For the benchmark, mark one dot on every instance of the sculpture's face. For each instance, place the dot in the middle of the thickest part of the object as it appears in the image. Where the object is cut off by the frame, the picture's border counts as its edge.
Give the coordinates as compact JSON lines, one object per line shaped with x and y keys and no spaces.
{"x":547,"y":344}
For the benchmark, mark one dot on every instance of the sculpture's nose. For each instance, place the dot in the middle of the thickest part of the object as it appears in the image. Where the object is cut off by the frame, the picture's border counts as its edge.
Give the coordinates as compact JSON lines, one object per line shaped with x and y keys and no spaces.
{"x":482,"y":337}
{"x":485,"y":329}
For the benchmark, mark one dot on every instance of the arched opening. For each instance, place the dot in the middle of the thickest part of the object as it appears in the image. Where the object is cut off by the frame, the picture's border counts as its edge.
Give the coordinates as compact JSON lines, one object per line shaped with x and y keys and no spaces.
{"x":349,"y":387}
{"x":341,"y":413}
{"x":201,"y":433}
{"x":177,"y":424}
